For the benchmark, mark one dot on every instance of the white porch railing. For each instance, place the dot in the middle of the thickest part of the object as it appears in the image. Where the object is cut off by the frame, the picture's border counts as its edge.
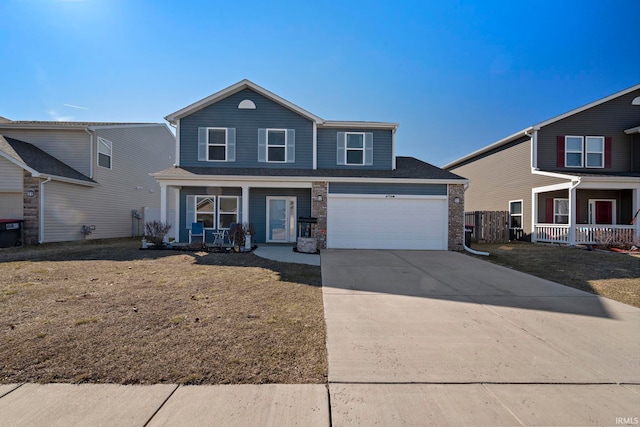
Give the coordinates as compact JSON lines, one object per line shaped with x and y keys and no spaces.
{"x":586,"y":234}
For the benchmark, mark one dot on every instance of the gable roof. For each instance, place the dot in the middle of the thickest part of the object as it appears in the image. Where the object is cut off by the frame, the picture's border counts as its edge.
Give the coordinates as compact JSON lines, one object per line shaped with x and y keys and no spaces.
{"x":247,"y":84}
{"x":527,"y":131}
{"x":38,"y":162}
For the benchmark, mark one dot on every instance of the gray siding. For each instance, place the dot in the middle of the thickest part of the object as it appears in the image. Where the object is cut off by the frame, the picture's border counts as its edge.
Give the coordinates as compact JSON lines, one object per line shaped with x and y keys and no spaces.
{"x":268,"y":114}
{"x":503,"y":176}
{"x":11,"y":176}
{"x":258,"y":206}
{"x":396,"y":189}
{"x":69,"y":146}
{"x":608,"y":119}
{"x":328,"y":145}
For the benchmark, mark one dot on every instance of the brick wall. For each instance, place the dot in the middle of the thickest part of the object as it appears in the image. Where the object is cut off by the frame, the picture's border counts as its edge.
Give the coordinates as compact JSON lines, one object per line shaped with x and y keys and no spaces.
{"x":456,"y":217}
{"x":319,"y":210}
{"x":30,"y":209}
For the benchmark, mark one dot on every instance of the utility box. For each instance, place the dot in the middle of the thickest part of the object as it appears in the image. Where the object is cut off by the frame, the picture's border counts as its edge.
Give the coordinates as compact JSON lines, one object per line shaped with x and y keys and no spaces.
{"x":10,"y":232}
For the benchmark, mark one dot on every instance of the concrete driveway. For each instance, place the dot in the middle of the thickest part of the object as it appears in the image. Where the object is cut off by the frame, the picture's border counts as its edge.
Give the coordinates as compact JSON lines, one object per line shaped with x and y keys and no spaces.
{"x":440,"y":338}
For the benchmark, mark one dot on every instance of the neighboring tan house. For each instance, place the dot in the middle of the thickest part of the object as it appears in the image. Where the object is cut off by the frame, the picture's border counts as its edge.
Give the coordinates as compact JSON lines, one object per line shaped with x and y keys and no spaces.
{"x":246,"y":155}
{"x":572,"y":179}
{"x":63,"y":178}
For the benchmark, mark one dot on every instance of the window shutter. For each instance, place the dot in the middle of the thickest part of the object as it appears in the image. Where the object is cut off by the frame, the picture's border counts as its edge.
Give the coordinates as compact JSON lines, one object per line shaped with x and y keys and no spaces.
{"x":342,"y":141}
{"x":231,"y":144}
{"x":202,"y":146}
{"x":548,"y":217}
{"x":262,"y":145}
{"x":368,"y":149}
{"x":560,"y":151}
{"x":191,"y":212}
{"x":291,"y":145}
{"x":607,"y":151}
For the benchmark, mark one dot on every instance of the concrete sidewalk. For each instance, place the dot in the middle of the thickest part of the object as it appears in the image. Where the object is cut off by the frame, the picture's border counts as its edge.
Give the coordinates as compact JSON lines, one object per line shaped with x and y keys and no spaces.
{"x":65,"y":405}
{"x":440,"y":338}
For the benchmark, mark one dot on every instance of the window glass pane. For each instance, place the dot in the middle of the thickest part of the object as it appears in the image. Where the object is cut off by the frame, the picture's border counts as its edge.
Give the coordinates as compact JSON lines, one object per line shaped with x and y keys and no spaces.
{"x":204,"y":205}
{"x":104,"y":160}
{"x":573,"y":143}
{"x":561,"y":219}
{"x":217,"y":152}
{"x":594,"y":159}
{"x":206,"y":219}
{"x":217,"y":136}
{"x":228,"y":204}
{"x":354,"y":157}
{"x":227,"y":219}
{"x":595,"y":144}
{"x":355,"y":140}
{"x":561,"y":206}
{"x":574,"y":159}
{"x":276,"y":154}
{"x":516,"y":221}
{"x":516,"y":207}
{"x":277,"y":138}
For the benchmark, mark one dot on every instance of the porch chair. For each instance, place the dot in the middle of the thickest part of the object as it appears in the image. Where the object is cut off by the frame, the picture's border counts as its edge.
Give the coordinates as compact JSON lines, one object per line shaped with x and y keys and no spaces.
{"x":197,"y":230}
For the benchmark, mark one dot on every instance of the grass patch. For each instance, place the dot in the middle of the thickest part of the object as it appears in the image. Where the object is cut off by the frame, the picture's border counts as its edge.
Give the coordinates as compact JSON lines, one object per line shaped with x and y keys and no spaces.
{"x":612,"y":275}
{"x":108,"y":312}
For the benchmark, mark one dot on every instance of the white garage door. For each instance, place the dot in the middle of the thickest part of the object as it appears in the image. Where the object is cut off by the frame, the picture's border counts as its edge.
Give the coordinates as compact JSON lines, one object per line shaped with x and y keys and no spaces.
{"x":378,"y":222}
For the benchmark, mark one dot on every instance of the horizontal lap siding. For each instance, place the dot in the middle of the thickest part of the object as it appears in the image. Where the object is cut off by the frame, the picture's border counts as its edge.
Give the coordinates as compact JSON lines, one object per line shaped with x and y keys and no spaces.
{"x":608,"y":119}
{"x":268,"y":114}
{"x":69,"y":146}
{"x":11,"y":205}
{"x":10,"y":176}
{"x":396,"y":189}
{"x":328,"y":148}
{"x":500,"y":177}
{"x":258,"y":206}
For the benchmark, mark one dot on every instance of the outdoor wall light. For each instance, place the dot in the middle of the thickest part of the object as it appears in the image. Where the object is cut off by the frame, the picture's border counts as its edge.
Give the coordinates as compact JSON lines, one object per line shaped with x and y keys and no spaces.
{"x":319,"y":197}
{"x":456,"y":200}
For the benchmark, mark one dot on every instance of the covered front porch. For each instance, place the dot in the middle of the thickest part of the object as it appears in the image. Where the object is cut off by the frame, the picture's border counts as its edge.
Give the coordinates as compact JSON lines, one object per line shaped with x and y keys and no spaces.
{"x":587,"y":211}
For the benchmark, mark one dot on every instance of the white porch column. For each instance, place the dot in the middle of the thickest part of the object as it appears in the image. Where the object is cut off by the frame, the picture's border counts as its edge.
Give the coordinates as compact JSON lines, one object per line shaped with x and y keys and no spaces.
{"x":572,"y":216}
{"x":534,"y":215}
{"x":163,"y":202}
{"x":176,"y":213}
{"x":635,"y":196}
{"x":245,"y":204}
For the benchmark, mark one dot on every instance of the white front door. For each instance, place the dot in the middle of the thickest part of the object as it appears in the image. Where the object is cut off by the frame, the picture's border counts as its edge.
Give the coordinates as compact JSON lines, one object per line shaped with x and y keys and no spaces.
{"x":281,"y":219}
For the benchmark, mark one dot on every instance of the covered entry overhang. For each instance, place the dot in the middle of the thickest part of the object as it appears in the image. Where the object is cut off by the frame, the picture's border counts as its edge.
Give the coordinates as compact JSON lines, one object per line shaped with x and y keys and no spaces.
{"x":587,"y":209}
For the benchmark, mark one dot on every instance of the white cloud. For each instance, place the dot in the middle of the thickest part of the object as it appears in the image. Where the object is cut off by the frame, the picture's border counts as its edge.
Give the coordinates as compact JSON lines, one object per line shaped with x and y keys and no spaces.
{"x":75,"y":106}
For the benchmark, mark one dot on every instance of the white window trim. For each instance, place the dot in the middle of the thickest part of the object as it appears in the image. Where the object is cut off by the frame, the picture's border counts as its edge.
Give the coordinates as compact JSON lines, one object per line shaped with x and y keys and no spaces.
{"x":210,"y":144}
{"x":347,"y":149}
{"x":215,"y":208}
{"x":109,"y":145}
{"x":521,"y":214}
{"x":556,"y":214}
{"x":286,"y":142}
{"x":567,"y":152}
{"x":221,"y":212}
{"x":586,"y":152}
{"x":592,"y":210}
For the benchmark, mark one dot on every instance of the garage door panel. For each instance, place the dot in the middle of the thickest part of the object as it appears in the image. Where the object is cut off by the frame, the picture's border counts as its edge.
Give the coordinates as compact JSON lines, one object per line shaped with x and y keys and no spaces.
{"x":386,"y":223}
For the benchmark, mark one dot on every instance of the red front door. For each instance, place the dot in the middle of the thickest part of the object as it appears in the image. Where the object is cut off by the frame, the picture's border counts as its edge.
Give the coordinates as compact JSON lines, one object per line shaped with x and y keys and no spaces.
{"x":604,"y":212}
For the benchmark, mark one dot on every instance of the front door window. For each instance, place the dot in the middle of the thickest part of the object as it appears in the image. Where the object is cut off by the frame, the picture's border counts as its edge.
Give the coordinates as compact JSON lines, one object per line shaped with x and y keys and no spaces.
{"x":281,"y":219}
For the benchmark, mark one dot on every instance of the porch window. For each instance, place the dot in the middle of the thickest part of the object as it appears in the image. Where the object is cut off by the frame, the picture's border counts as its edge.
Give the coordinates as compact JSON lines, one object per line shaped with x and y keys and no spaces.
{"x":105,"y":152}
{"x":355,"y":148}
{"x":561,"y":211}
{"x":217,"y":144}
{"x":227,"y":211}
{"x":205,"y":210}
{"x":595,"y":151}
{"x":573,"y":151}
{"x":515,"y":214}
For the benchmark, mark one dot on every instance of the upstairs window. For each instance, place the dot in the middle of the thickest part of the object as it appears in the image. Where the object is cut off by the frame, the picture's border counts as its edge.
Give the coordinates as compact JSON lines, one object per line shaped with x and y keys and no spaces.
{"x":515,"y":214}
{"x":105,"y":152}
{"x":355,"y":148}
{"x":276,"y":145}
{"x":573,"y":152}
{"x":595,"y":151}
{"x":217,"y":144}
{"x":584,"y":151}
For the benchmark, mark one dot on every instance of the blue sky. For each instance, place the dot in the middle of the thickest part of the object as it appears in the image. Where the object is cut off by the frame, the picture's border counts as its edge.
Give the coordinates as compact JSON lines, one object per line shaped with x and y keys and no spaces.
{"x":456,"y":75}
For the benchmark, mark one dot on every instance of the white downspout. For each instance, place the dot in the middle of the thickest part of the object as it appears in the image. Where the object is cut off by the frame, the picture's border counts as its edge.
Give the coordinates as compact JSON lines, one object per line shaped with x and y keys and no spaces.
{"x":41,"y":216}
{"x":466,"y":248}
{"x":572,"y":212}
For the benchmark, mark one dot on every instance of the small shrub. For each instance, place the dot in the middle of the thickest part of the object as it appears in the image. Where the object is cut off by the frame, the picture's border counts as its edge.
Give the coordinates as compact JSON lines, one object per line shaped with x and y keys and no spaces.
{"x":156,"y":231}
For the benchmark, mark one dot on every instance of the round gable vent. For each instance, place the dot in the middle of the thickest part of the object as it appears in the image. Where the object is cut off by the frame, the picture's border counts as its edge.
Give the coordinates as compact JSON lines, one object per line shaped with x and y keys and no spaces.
{"x":246,"y":104}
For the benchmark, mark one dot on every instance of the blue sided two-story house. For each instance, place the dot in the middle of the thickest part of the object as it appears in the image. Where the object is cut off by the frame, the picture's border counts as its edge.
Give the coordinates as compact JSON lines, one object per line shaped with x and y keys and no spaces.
{"x":246,"y":155}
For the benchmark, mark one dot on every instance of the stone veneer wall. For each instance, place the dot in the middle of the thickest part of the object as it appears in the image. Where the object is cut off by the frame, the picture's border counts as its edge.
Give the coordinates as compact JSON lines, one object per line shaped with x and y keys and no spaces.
{"x":456,"y":217}
{"x":30,"y":209}
{"x":319,"y":210}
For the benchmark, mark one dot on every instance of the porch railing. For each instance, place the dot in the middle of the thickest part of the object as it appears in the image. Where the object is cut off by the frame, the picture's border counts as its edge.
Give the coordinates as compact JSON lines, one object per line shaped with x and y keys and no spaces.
{"x":586,"y":234}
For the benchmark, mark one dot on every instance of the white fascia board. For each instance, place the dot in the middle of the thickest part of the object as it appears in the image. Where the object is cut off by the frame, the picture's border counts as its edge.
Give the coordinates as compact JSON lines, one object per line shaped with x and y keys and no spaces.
{"x":69,"y":180}
{"x":362,"y":125}
{"x":489,"y":147}
{"x":555,"y":175}
{"x":587,"y":106}
{"x":607,"y":182}
{"x":235,"y":88}
{"x":135,"y":125}
{"x":632,"y":130}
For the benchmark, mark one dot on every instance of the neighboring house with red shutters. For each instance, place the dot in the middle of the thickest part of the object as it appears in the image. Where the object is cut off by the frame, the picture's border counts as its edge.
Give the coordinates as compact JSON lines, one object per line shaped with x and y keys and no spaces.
{"x":572,"y":179}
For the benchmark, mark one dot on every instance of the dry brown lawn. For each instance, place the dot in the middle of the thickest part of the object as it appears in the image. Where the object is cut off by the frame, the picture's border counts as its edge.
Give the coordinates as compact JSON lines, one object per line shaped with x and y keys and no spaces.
{"x":107,"y":312}
{"x":612,"y":275}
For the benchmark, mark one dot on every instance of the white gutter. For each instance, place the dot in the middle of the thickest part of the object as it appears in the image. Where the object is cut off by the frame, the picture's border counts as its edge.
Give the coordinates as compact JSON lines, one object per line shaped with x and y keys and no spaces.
{"x":90,"y":152}
{"x":41,"y":208}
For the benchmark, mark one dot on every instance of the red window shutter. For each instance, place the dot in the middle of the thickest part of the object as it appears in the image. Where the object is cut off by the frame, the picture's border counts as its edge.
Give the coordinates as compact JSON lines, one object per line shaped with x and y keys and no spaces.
{"x":607,"y":151}
{"x":560,"y":151}
{"x":548,"y":218}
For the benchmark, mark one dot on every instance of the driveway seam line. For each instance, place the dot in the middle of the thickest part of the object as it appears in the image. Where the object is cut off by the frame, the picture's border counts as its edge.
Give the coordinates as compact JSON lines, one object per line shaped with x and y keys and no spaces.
{"x":161,"y":406}
{"x":503,"y":404}
{"x":12,"y":390}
